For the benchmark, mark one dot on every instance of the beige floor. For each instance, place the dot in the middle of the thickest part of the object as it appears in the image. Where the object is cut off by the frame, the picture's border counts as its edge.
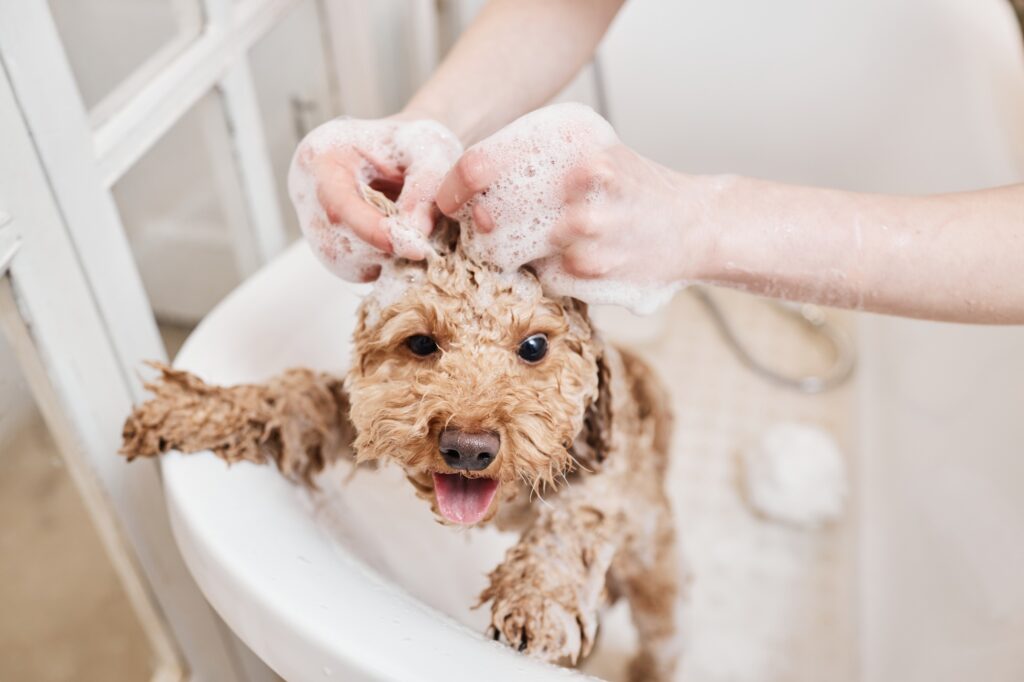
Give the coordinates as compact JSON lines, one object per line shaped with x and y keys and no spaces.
{"x":63,"y":615}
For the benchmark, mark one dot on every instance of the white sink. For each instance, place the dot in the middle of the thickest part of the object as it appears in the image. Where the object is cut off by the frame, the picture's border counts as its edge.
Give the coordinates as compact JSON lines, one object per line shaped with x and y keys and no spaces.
{"x":357,"y":582}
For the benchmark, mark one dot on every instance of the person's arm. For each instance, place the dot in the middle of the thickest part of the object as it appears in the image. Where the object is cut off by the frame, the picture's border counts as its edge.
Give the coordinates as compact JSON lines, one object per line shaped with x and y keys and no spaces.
{"x":514,"y":57}
{"x":622,"y":218}
{"x":954,"y":257}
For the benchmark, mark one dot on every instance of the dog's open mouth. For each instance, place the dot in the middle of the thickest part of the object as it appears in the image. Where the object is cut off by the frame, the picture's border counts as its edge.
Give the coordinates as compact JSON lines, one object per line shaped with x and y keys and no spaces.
{"x":462,"y":499}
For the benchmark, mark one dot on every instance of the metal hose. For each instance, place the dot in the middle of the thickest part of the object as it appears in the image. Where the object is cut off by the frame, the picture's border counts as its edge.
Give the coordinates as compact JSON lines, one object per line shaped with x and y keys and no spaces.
{"x":807,"y":315}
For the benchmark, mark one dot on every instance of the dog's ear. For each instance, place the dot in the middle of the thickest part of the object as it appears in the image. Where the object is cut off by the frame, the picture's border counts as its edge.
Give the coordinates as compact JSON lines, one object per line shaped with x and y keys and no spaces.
{"x":597,"y":422}
{"x":594,"y":441}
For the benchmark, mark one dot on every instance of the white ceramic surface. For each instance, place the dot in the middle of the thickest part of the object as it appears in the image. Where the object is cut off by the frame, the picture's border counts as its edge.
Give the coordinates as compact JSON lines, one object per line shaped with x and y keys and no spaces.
{"x":359,"y":582}
{"x":311,"y":583}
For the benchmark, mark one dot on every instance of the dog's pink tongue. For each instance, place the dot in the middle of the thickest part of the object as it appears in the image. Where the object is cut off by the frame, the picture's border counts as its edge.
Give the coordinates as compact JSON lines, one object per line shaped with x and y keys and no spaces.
{"x":462,"y":499}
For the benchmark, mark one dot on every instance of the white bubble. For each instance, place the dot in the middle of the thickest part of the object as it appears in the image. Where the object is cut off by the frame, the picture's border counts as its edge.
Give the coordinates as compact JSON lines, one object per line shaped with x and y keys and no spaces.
{"x":796,"y":474}
{"x":527,"y":201}
{"x":421,"y":150}
{"x":396,"y":279}
{"x":641,"y":298}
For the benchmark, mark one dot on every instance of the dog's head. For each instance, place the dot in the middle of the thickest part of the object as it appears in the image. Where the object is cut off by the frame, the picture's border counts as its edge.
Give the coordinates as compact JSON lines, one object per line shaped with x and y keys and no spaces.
{"x":473,"y":381}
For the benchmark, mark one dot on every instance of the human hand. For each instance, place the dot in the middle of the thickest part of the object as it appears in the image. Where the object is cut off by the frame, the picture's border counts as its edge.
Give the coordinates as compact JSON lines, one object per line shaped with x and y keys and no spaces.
{"x":557,"y":189}
{"x":403,"y":159}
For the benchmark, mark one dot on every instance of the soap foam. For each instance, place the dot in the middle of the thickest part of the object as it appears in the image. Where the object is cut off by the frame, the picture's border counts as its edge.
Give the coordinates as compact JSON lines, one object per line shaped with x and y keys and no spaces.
{"x":422,"y":151}
{"x":527,"y":201}
{"x":390,"y":287}
{"x":642,"y":298}
{"x":796,"y":474}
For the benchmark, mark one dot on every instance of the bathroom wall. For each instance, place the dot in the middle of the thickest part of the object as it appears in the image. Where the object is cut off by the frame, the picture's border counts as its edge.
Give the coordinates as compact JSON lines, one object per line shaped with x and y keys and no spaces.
{"x":890,"y":96}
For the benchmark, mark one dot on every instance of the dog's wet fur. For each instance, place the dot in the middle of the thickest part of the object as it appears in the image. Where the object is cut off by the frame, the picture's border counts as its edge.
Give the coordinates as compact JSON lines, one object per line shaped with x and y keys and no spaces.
{"x":579,"y":437}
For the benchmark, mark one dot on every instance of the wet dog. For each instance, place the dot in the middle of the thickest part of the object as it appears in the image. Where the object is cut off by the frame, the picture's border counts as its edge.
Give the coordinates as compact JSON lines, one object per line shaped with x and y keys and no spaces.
{"x":501,"y":405}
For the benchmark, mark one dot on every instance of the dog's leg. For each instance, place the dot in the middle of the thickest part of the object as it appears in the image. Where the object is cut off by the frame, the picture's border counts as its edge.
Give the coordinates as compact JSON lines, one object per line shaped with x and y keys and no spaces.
{"x":548,"y":591}
{"x":649,"y":575}
{"x":298,"y":419}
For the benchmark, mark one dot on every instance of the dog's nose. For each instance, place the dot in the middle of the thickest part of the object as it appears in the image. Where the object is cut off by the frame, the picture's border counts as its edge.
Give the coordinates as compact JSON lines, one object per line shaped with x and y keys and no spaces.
{"x":469,"y":451}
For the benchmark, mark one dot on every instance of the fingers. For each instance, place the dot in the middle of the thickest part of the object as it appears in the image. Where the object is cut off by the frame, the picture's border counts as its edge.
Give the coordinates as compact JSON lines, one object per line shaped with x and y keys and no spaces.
{"x":417,"y":213}
{"x":585,"y":260}
{"x":578,"y":182}
{"x":337,"y":174}
{"x":482,"y":220}
{"x":580,"y":237}
{"x":473,"y":173}
{"x":408,"y":229}
{"x":584,"y":227}
{"x":590,"y":181}
{"x":579,"y":223}
{"x":420,"y":215}
{"x":343,"y":204}
{"x":416,"y":202}
{"x":349,"y":227}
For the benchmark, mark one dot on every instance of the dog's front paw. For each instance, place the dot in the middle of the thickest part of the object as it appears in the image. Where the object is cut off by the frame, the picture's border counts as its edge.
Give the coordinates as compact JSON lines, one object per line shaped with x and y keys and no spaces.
{"x":543,"y":626}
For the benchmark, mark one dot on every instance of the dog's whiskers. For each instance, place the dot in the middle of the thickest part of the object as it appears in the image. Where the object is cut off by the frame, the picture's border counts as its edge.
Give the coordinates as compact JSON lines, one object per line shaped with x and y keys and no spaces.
{"x":534,"y":492}
{"x":575,"y":463}
{"x":565,"y":478}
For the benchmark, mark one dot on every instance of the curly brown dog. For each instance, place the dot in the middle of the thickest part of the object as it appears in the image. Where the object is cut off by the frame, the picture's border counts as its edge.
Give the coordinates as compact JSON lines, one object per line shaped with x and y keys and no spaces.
{"x":501,"y":405}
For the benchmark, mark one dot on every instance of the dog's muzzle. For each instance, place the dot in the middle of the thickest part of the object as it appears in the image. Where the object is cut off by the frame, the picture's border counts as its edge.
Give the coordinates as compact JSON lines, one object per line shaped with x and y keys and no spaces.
{"x":467,"y":451}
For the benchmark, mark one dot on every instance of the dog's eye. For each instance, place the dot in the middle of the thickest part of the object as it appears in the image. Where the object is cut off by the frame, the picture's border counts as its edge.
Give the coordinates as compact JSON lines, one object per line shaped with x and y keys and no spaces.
{"x":534,"y":348}
{"x":421,"y":344}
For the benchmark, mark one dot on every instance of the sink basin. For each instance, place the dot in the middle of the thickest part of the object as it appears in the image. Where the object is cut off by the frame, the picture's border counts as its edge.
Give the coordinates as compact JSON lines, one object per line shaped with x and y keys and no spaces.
{"x":356,"y":581}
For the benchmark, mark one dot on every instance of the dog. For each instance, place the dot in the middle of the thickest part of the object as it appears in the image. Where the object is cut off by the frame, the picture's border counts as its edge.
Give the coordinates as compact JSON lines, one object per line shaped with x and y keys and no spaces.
{"x":501,"y":405}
